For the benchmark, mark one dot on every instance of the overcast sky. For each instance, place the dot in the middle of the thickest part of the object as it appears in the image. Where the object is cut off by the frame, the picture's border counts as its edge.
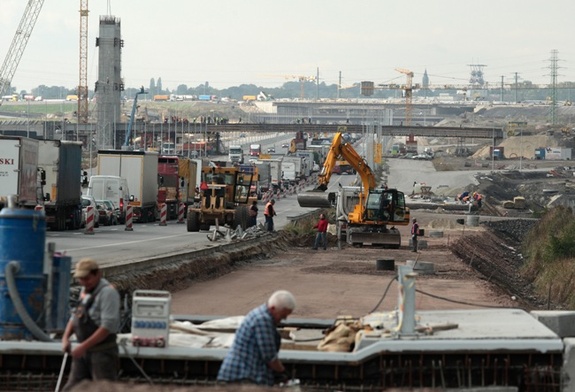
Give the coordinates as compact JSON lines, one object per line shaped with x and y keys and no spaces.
{"x":264,"y":42}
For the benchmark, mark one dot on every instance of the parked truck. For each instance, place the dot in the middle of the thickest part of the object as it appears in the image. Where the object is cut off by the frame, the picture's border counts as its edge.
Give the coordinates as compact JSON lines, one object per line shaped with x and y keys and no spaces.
{"x":289,"y":173}
{"x":176,"y":183}
{"x":264,"y":177}
{"x":60,"y":165}
{"x":310,"y":157}
{"x":301,"y":166}
{"x":275,"y":172}
{"x":140,"y":169}
{"x":19,"y":171}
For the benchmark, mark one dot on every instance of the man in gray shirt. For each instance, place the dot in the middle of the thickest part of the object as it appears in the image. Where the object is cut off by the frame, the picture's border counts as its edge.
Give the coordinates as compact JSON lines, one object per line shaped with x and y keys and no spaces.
{"x":95,"y":323}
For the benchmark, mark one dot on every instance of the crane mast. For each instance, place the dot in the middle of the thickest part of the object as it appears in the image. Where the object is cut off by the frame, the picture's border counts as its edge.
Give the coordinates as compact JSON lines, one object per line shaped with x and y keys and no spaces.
{"x":19,"y":44}
{"x":408,"y":88}
{"x":83,"y":83}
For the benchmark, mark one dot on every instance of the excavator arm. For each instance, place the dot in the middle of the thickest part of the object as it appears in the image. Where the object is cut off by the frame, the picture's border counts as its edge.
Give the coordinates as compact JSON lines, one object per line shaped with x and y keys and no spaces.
{"x":339,"y":148}
{"x":367,"y":221}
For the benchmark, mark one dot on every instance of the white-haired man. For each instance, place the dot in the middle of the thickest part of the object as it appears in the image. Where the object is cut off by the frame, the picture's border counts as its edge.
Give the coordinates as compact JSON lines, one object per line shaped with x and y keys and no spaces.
{"x":253,"y":357}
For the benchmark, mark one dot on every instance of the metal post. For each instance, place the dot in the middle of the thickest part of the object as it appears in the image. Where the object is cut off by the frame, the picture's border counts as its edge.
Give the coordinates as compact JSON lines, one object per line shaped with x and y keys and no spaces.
{"x":520,"y":149}
{"x":28,"y":120}
{"x":406,"y":300}
{"x":493,"y":152}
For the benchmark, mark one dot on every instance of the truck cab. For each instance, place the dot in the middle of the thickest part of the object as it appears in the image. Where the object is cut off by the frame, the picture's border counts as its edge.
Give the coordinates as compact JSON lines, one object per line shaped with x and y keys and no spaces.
{"x":236,"y":154}
{"x":255,"y":150}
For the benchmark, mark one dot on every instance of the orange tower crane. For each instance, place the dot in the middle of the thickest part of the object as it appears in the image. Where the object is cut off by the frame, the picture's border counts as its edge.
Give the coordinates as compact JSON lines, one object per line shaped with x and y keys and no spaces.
{"x":408,"y":91}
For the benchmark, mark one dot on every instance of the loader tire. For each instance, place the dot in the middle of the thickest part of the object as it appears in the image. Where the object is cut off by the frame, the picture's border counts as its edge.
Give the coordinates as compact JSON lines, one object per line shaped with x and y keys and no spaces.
{"x":241,"y":217}
{"x":192,"y":222}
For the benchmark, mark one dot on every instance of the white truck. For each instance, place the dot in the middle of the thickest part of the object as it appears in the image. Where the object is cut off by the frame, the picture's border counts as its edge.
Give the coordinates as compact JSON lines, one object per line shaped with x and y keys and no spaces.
{"x":236,"y":154}
{"x":19,"y":171}
{"x":310,"y":159}
{"x":289,"y":172}
{"x":140,"y":169}
{"x":275,"y":171}
{"x":60,"y":166}
{"x":301,"y":167}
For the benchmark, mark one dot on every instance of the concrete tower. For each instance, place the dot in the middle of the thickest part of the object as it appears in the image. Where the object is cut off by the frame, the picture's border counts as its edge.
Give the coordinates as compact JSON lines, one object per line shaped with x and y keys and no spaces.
{"x":109,"y":86}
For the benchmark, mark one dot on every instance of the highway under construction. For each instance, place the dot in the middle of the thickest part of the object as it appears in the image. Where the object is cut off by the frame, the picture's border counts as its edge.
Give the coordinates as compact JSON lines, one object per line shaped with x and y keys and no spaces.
{"x":404,"y":347}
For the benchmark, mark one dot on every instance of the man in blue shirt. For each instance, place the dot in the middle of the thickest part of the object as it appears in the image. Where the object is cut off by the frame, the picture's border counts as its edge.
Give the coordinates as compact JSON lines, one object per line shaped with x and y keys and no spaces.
{"x":253,"y":357}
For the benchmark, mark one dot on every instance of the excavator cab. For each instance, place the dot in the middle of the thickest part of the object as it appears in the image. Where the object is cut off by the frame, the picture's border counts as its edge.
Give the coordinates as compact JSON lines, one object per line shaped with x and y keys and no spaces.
{"x":386,"y":205}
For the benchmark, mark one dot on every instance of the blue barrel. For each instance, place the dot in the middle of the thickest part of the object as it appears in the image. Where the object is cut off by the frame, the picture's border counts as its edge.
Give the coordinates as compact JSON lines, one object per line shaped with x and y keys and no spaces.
{"x":22,"y":239}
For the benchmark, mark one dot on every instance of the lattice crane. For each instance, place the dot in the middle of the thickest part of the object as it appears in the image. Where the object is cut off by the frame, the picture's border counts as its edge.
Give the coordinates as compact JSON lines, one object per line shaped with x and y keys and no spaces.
{"x":83,"y":82}
{"x":408,"y":91}
{"x":19,"y":43}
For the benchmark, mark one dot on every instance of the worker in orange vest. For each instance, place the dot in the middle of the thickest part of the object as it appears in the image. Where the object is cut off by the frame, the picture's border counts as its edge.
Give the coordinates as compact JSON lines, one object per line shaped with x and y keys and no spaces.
{"x":269,"y":213}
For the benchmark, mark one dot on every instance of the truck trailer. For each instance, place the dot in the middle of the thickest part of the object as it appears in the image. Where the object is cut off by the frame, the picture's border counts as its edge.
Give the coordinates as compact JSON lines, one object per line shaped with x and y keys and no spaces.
{"x":61,"y":162}
{"x":19,"y":171}
{"x":275,"y":171}
{"x":140,"y":169}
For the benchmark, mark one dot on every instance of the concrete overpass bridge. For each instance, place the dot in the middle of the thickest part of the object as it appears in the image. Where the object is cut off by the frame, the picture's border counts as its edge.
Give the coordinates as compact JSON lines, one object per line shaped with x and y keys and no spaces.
{"x":387,"y":130}
{"x":72,"y":131}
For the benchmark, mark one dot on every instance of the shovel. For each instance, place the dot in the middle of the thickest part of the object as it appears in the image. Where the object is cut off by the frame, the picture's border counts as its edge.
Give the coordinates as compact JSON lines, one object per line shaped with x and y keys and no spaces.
{"x":61,"y":372}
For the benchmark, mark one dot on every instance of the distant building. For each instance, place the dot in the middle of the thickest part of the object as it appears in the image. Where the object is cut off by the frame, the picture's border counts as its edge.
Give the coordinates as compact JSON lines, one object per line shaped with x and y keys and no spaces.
{"x":425,"y":81}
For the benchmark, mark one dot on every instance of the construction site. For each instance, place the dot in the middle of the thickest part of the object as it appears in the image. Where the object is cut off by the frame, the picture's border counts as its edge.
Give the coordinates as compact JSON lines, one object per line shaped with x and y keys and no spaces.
{"x":373,"y":313}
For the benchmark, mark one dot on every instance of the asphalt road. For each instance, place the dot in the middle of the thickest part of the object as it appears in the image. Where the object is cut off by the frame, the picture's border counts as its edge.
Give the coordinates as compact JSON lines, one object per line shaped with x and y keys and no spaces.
{"x":113,"y":244}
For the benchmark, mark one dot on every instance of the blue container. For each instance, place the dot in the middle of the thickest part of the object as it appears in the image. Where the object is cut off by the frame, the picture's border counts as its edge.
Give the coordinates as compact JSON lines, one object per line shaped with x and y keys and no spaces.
{"x":22,"y":239}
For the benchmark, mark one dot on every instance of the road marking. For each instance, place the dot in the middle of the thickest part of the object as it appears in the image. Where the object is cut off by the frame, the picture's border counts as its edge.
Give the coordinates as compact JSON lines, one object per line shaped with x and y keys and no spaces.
{"x":126,"y":242}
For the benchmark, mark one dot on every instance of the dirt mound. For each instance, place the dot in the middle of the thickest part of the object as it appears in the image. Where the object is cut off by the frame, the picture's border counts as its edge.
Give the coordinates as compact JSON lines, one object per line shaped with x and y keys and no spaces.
{"x":517,"y":146}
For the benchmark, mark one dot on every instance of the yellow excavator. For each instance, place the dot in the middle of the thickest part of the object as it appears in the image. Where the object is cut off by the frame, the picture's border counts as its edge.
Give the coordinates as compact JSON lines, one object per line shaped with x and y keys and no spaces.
{"x":376,"y":208}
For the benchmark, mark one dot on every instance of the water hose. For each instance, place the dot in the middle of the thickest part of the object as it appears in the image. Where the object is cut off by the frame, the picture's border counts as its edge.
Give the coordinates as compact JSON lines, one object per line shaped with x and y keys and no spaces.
{"x":11,"y":269}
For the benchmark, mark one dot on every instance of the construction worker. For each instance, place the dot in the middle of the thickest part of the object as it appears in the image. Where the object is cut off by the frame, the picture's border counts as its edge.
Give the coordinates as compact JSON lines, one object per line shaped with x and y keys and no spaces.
{"x":269,"y":213}
{"x":95,"y":324}
{"x":477,"y":198}
{"x":321,"y":236}
{"x":253,"y":357}
{"x":253,"y":213}
{"x":414,"y":234}
{"x":463,"y":197}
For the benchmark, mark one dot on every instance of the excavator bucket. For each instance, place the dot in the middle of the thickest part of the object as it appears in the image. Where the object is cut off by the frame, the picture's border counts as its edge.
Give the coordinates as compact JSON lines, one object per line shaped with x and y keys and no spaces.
{"x":316,"y":199}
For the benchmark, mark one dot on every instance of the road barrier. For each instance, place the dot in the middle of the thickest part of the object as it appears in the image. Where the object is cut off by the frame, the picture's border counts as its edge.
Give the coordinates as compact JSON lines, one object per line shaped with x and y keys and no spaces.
{"x":89,"y":220}
{"x":181,"y":211}
{"x":129,"y":218}
{"x":164,"y":214}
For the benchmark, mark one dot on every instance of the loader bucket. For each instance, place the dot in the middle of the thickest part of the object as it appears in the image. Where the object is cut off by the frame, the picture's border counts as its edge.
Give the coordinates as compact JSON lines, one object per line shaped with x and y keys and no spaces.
{"x":316,"y":199}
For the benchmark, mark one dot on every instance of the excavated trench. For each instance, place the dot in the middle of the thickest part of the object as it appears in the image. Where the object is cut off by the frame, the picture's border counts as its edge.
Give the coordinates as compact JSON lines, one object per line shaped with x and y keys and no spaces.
{"x":178,"y":271}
